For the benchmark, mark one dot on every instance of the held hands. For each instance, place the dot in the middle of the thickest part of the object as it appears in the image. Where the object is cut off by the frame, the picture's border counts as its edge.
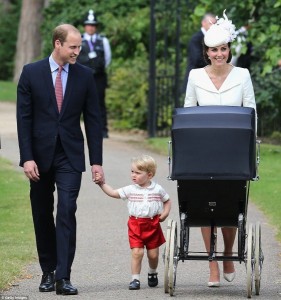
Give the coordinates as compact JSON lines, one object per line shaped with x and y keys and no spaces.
{"x":98,"y":179}
{"x":106,"y":188}
{"x":97,"y":174}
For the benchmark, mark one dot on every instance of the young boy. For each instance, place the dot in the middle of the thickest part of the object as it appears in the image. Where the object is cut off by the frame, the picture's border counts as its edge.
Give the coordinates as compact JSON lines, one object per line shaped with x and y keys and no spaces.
{"x":148,"y":204}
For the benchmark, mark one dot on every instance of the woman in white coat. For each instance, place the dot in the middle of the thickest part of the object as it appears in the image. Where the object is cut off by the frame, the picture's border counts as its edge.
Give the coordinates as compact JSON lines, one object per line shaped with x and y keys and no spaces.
{"x":220,"y":83}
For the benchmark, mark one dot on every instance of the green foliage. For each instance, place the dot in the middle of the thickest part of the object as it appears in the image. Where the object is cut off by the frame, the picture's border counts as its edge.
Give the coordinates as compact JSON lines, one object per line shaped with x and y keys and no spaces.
{"x":268,"y":97}
{"x":8,"y":38}
{"x":128,"y":35}
{"x":127,"y":95}
{"x":265,"y":36}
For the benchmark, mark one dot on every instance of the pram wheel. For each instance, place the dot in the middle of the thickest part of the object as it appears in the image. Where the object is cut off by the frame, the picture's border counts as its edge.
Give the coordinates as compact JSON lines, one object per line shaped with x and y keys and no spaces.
{"x":250,"y":260}
{"x":241,"y":237}
{"x":184,"y":237}
{"x":166,"y":256}
{"x":258,"y":257}
{"x":173,"y":258}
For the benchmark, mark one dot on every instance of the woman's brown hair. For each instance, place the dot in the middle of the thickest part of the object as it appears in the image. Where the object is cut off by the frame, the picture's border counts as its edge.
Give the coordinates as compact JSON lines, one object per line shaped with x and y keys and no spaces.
{"x":205,"y":55}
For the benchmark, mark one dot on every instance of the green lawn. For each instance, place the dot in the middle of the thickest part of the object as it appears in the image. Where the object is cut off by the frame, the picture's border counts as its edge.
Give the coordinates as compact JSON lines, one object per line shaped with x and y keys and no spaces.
{"x":266,"y":192}
{"x":8,"y":91}
{"x":17,"y":245}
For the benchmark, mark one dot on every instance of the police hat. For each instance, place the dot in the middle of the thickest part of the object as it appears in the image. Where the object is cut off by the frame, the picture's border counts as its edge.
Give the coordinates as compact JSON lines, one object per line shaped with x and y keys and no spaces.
{"x":91,"y":19}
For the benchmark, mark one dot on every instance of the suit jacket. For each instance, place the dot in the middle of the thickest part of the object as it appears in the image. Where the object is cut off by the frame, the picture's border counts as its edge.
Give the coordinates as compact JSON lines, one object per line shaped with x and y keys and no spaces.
{"x":40,"y":123}
{"x":195,"y":52}
{"x":195,"y":55}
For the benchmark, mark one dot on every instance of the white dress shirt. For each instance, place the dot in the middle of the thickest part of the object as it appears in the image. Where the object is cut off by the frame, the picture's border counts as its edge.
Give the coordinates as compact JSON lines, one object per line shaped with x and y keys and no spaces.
{"x":54,"y":70}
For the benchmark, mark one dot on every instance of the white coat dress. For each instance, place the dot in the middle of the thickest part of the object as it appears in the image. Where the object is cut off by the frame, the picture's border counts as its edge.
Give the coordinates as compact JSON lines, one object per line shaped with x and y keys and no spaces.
{"x":236,"y":90}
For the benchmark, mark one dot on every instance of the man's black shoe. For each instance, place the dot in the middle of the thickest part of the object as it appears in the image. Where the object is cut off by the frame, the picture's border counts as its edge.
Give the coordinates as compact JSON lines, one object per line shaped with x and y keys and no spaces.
{"x":47,"y":282}
{"x":134,"y":285}
{"x":64,"y":287}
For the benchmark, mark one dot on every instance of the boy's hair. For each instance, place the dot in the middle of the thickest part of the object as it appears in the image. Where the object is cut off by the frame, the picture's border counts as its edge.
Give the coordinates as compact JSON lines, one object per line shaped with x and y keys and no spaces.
{"x":145,"y":163}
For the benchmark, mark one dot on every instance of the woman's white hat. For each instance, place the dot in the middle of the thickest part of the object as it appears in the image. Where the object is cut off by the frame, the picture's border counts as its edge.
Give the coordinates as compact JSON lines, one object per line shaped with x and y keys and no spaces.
{"x":222,"y":32}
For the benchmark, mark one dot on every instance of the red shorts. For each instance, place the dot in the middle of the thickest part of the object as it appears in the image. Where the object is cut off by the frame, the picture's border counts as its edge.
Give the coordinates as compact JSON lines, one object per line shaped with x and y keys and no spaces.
{"x":145,"y":232}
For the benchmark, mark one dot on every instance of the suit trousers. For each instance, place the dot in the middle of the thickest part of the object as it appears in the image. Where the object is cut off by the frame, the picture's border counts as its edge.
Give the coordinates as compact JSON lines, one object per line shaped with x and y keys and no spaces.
{"x":56,"y":241}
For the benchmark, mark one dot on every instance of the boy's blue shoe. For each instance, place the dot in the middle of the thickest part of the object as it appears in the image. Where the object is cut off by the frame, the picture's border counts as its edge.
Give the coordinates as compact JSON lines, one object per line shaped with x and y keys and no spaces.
{"x":134,"y":285}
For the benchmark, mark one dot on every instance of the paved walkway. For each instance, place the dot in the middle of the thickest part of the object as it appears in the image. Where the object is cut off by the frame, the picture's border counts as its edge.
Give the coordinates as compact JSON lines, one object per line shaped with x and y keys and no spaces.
{"x":101,"y":268}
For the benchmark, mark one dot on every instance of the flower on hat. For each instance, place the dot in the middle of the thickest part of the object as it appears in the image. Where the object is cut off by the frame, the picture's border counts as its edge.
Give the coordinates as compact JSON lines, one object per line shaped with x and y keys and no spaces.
{"x":227,"y":25}
{"x":222,"y":32}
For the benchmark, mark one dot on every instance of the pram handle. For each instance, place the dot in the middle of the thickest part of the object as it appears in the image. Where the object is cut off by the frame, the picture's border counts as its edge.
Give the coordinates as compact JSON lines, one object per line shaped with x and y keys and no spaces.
{"x":257,"y":177}
{"x":169,"y":160}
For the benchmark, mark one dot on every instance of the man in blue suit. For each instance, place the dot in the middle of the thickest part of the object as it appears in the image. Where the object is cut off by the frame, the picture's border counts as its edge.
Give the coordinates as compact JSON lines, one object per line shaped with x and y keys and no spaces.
{"x":52,"y":153}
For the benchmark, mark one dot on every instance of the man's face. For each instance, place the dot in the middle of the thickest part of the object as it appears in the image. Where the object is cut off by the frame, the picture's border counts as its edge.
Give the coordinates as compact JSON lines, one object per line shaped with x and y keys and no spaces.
{"x":90,"y":29}
{"x":208,"y":22}
{"x":70,"y":49}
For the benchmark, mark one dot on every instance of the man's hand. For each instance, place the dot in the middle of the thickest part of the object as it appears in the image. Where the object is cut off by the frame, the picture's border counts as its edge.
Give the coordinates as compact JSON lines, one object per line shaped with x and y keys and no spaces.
{"x":97,"y":174}
{"x":31,"y":170}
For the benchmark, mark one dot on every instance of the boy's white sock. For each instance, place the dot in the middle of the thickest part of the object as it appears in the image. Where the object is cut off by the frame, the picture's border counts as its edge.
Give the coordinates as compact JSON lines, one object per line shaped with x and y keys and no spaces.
{"x":136,"y":276}
{"x":152,"y":271}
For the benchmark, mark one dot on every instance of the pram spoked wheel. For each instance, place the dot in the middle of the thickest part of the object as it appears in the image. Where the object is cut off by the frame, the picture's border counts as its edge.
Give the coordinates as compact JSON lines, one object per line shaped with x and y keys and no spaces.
{"x":254,"y":259}
{"x":166,"y":256}
{"x":173,"y":258}
{"x":250,"y":260}
{"x":258,"y":258}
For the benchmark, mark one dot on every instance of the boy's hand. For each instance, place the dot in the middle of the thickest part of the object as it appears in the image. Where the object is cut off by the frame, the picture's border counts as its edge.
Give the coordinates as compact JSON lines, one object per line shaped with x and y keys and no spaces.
{"x":162,"y":217}
{"x":98,"y":178}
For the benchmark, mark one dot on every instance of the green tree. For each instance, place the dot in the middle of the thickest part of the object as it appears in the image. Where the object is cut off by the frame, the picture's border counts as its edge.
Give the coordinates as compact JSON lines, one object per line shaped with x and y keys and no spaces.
{"x":9,"y":18}
{"x":126,"y":24}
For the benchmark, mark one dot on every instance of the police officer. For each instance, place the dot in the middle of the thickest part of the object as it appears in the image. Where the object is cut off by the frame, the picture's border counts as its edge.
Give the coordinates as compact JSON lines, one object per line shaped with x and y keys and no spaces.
{"x":96,"y":54}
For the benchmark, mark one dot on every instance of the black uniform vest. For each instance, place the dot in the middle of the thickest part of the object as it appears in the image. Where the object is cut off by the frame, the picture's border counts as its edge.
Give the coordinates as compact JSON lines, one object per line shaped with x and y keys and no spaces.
{"x":97,"y":64}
